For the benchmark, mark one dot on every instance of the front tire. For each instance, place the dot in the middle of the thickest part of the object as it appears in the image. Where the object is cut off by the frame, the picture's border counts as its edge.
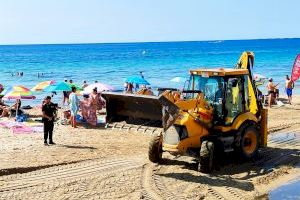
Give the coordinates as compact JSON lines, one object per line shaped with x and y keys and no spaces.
{"x":206,"y":157}
{"x":155,"y":149}
{"x":249,"y":143}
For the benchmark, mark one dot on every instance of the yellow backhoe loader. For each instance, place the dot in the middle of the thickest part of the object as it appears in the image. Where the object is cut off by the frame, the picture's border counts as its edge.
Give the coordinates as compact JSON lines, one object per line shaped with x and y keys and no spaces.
{"x":219,"y":106}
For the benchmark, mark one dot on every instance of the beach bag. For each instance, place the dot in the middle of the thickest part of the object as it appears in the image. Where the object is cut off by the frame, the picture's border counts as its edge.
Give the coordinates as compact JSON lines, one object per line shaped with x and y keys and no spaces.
{"x":21,"y":118}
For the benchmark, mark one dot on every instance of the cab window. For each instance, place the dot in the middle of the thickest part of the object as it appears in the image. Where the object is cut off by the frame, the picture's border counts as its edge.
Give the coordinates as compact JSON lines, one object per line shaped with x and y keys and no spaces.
{"x":234,"y":99}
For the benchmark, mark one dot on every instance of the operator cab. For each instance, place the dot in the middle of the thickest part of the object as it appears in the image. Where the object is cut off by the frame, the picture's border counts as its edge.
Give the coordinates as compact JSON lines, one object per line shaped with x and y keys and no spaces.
{"x":227,"y":94}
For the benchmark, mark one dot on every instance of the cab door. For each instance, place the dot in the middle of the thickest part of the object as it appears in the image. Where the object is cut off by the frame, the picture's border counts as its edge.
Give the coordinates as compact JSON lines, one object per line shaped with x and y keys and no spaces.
{"x":235,"y":102}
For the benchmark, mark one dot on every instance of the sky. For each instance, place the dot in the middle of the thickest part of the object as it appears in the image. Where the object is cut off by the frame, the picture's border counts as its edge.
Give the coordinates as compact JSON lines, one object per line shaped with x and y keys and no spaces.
{"x":105,"y":21}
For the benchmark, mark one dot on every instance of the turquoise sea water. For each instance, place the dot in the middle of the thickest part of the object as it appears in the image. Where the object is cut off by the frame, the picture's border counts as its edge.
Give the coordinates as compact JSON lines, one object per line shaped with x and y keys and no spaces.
{"x":112,"y":63}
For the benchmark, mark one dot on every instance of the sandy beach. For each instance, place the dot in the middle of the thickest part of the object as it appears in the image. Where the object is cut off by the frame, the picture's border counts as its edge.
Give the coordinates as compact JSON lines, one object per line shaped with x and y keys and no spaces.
{"x":110,"y":164}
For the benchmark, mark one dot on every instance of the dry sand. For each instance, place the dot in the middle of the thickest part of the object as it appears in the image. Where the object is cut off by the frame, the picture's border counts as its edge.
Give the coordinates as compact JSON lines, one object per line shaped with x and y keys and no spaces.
{"x":110,"y":164}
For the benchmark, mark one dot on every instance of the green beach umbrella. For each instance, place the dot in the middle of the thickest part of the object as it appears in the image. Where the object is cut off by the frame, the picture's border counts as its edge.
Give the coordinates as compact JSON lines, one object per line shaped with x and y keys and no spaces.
{"x":76,"y":86}
{"x":62,"y":86}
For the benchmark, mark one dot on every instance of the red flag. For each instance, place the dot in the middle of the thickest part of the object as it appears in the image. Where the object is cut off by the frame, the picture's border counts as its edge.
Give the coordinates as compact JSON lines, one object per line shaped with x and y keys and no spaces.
{"x":296,"y":69}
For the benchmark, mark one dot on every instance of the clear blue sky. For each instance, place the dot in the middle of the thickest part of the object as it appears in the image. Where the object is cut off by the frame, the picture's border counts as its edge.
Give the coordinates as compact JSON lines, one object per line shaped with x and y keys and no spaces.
{"x":93,"y":21}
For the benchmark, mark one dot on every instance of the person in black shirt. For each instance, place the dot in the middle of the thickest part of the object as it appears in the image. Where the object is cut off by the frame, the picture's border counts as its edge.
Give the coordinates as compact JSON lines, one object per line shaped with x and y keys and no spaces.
{"x":49,"y":111}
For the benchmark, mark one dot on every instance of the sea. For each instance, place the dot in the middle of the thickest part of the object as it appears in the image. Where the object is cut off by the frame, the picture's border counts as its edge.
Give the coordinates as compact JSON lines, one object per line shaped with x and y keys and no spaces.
{"x":160,"y":62}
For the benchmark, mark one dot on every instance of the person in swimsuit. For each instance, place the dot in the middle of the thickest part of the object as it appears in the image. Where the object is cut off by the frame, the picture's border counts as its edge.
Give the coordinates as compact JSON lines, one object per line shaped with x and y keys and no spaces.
{"x":271,"y":92}
{"x":65,"y":95}
{"x":289,"y":85}
{"x":74,"y":106}
{"x":94,"y":99}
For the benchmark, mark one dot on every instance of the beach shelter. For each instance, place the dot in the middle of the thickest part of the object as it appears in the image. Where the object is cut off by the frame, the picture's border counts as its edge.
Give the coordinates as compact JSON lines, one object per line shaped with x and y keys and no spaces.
{"x":100,"y":87}
{"x":42,"y":85}
{"x":61,"y":86}
{"x":137,"y":80}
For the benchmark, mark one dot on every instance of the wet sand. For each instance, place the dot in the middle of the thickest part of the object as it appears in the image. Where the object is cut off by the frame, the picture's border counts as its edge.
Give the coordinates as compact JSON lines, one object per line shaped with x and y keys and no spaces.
{"x":110,"y":164}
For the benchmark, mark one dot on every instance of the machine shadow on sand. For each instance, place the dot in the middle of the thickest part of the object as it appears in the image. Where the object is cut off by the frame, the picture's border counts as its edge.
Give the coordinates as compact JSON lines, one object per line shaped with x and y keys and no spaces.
{"x":264,"y":163}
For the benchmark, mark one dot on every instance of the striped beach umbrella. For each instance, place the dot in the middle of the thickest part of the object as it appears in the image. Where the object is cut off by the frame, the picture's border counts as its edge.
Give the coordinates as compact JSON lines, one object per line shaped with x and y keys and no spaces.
{"x":20,"y":88}
{"x":42,"y":85}
{"x":19,"y":95}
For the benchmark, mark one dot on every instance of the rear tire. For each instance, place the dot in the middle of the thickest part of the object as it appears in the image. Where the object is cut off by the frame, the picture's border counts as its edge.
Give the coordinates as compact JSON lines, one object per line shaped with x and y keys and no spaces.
{"x":155,"y":149}
{"x":249,"y":143}
{"x":206,"y":157}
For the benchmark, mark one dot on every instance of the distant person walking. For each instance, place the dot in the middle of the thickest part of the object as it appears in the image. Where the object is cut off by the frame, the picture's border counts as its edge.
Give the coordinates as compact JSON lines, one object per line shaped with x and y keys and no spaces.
{"x":289,"y":86}
{"x":49,"y":112}
{"x":74,"y":106}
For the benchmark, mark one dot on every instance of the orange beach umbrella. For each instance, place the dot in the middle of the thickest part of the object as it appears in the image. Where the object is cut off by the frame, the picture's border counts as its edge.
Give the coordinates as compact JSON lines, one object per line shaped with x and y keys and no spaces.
{"x":42,"y":85}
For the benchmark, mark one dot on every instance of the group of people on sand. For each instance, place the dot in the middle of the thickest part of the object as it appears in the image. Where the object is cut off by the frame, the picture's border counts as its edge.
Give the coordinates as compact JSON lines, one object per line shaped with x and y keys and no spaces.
{"x":89,"y":106}
{"x":273,"y":91}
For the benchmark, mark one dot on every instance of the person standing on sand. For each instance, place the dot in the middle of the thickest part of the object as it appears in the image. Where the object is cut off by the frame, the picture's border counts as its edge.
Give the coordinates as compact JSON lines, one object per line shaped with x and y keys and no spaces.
{"x":289,"y":86}
{"x":74,"y":106}
{"x":49,"y":112}
{"x":271,"y":91}
{"x":65,"y":95}
{"x":94,"y":98}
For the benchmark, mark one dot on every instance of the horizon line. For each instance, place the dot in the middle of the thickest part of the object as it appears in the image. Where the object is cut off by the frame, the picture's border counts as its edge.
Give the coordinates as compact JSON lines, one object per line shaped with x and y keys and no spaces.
{"x":132,"y":42}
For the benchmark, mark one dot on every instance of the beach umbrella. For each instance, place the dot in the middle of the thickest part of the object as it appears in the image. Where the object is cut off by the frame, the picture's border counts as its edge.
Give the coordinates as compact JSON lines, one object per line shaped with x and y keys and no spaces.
{"x":100,"y":87}
{"x":137,"y":80}
{"x":76,"y":86}
{"x":62,"y":86}
{"x":19,"y":95}
{"x":20,"y":88}
{"x":42,"y":85}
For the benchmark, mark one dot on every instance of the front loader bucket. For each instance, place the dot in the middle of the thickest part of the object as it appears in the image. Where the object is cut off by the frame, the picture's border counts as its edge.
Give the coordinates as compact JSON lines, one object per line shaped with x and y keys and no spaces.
{"x":136,"y":109}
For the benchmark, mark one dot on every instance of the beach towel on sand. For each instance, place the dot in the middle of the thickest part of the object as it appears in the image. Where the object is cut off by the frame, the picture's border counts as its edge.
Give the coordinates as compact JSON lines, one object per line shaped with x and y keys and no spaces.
{"x":22,"y":130}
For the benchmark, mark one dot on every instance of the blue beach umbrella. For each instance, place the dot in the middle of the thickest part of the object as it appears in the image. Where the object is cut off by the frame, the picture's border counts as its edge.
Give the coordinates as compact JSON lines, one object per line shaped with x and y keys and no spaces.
{"x":137,"y":80}
{"x":62,"y":86}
